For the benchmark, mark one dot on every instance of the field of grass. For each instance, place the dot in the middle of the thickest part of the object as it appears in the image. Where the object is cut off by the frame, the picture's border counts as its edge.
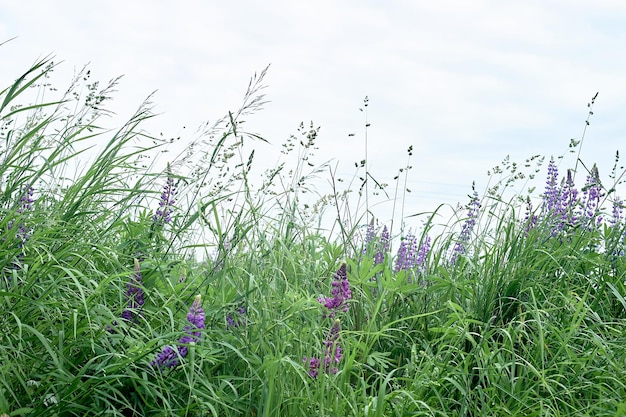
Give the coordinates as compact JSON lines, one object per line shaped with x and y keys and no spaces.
{"x":127,"y":290}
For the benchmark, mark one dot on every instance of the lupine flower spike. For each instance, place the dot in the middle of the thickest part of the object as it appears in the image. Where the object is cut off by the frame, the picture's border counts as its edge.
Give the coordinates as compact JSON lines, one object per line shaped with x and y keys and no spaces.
{"x":592,"y":194}
{"x":551,"y":194}
{"x":460,"y":247}
{"x":332,"y":350}
{"x":332,"y":353}
{"x":383,"y":246}
{"x":422,"y":254}
{"x":404,"y":253}
{"x":618,"y":212}
{"x":169,"y":357}
{"x":25,"y":205}
{"x":134,"y":294}
{"x":163,"y":213}
{"x":238,"y":319}
{"x":370,"y":235}
{"x":341,"y":293}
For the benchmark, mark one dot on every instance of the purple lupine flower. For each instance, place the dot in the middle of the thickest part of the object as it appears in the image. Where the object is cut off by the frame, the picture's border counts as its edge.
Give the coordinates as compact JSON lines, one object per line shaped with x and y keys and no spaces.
{"x":332,"y":353}
{"x":195,"y":317}
{"x":530,"y":219}
{"x":134,"y":294}
{"x":314,"y":366}
{"x":332,"y":349}
{"x":402,"y":255}
{"x":238,"y":319}
{"x":383,"y":246}
{"x":569,"y":199}
{"x":559,"y":202}
{"x":592,"y":193}
{"x":26,"y":201}
{"x":616,"y":223}
{"x":551,"y":194}
{"x":618,"y":212}
{"x":411,"y":254}
{"x":170,"y":358}
{"x":406,"y":257}
{"x":163,"y":213}
{"x":370,"y":235}
{"x":341,"y":293}
{"x":411,"y":260}
{"x":466,"y":231}
{"x":422,"y":254}
{"x":25,"y":204}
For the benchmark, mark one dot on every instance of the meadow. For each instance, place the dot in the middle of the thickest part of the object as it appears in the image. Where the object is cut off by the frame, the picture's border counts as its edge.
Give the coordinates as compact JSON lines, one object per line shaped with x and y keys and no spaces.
{"x":191,"y":290}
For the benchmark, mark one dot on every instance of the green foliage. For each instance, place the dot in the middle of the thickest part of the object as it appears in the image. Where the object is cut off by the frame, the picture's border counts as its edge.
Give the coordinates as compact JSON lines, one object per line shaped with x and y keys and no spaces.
{"x":529,"y":319}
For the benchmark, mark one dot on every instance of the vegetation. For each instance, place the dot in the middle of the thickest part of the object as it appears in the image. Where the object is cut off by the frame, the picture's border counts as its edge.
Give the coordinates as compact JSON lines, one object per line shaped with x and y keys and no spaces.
{"x":128,"y":290}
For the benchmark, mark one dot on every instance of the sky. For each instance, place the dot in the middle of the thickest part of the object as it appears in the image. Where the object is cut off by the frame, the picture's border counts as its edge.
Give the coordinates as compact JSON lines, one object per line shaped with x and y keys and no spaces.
{"x":465,"y":83}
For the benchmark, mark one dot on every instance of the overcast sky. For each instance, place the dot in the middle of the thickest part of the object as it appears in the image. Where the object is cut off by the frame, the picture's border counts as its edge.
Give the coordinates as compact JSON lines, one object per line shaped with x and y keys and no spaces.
{"x":466,"y":83}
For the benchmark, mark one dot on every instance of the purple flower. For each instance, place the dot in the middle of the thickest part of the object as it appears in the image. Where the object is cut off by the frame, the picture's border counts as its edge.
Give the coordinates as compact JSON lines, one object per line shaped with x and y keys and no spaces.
{"x":551,"y":194}
{"x":592,"y":193}
{"x":411,"y":254}
{"x":236,"y":319}
{"x":382,"y":246}
{"x":332,"y":349}
{"x":332,"y":353}
{"x":26,"y":201}
{"x":378,"y":246}
{"x":569,"y":199}
{"x":422,"y":254}
{"x":618,"y":212}
{"x":168,"y":357}
{"x":163,"y":213}
{"x":559,"y":203}
{"x":196,"y":315}
{"x":341,"y":293}
{"x":530,"y":219}
{"x":134,"y":294}
{"x":25,"y":204}
{"x":314,"y":366}
{"x":370,"y":235}
{"x":406,"y":253}
{"x":466,"y":231}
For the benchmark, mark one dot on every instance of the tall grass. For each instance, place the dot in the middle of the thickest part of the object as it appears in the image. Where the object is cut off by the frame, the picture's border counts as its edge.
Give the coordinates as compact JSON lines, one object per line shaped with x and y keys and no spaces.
{"x":129,"y":290}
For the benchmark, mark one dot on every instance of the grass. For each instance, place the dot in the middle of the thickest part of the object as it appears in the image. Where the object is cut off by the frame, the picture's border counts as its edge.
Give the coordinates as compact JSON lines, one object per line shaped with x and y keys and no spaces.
{"x":504,"y":310}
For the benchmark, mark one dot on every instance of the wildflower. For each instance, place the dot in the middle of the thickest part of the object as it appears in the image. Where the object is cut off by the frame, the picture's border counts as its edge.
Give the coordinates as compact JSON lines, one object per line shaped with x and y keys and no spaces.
{"x":411,"y":254}
{"x":383,"y":247}
{"x":332,"y":353}
{"x":405,"y":253}
{"x":401,"y":255}
{"x":26,"y":201}
{"x":169,"y":357}
{"x":340,"y":293}
{"x":569,"y":199}
{"x":134,"y":294}
{"x":592,"y":193}
{"x":332,"y":350}
{"x":551,"y":194}
{"x":370,"y":235}
{"x":236,"y":321}
{"x":618,"y":212}
{"x":422,"y":253}
{"x":314,"y":366}
{"x":25,"y":204}
{"x":530,"y":219}
{"x":618,"y":234}
{"x":163,"y":213}
{"x":466,"y":230}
